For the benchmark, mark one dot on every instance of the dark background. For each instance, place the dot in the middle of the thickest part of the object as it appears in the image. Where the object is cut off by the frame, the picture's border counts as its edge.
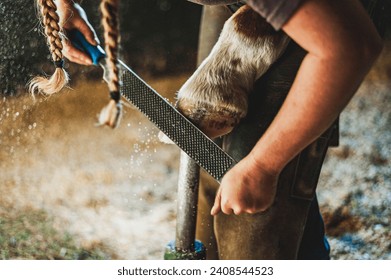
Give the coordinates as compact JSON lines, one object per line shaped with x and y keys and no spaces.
{"x":158,"y":37}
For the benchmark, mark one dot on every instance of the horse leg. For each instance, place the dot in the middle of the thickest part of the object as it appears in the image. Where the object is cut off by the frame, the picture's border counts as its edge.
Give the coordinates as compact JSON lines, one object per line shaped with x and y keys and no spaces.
{"x":212,"y":22}
{"x":215,"y":97}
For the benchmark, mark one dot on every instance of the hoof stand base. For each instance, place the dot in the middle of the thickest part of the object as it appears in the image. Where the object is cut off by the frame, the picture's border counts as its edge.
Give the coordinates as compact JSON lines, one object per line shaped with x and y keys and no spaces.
{"x":171,"y":253}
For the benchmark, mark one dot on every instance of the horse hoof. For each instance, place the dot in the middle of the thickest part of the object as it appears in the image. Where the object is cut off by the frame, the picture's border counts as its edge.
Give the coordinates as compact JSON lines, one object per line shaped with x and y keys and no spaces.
{"x":215,"y":97}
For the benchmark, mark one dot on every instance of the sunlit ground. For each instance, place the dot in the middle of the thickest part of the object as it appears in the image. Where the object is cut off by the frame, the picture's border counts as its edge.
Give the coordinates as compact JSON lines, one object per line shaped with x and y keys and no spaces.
{"x":101,"y":185}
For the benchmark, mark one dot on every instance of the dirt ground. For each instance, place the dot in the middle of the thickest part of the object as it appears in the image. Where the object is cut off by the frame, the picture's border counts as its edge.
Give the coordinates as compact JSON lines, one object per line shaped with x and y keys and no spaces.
{"x":355,"y":184}
{"x":118,"y":187}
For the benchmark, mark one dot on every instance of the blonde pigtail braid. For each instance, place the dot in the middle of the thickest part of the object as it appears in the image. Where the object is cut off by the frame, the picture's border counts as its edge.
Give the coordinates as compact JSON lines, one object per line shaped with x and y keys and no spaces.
{"x":111,"y":114}
{"x":60,"y":78}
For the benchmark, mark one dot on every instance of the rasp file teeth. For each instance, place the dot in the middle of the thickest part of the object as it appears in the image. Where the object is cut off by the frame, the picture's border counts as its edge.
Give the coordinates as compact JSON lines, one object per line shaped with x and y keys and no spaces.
{"x":178,"y":128}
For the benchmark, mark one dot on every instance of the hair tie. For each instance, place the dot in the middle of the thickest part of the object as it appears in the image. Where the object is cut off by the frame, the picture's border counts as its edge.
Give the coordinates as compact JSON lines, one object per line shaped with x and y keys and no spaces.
{"x":59,"y":63}
{"x":115,"y":95}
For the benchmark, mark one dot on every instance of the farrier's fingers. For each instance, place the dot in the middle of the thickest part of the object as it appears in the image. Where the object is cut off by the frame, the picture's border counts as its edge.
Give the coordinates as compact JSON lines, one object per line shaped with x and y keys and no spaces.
{"x":74,"y":17}
{"x":217,"y":204}
{"x":84,"y":26}
{"x":75,"y":55}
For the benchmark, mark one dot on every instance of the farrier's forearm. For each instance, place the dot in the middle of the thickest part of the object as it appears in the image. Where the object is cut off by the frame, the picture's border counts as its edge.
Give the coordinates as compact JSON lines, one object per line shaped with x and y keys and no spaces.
{"x":337,"y":61}
{"x":321,"y":90}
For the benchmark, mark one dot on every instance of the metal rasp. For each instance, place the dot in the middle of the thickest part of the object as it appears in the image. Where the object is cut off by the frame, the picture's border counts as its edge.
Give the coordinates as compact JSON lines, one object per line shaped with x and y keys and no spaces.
{"x":164,"y":115}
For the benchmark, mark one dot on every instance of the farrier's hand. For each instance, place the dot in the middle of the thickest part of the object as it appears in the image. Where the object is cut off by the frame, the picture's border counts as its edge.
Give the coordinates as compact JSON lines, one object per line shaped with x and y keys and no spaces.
{"x":72,"y":16}
{"x":246,"y":188}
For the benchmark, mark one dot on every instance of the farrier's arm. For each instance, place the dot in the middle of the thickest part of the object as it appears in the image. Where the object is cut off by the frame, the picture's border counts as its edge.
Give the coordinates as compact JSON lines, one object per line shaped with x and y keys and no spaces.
{"x":342,"y":45}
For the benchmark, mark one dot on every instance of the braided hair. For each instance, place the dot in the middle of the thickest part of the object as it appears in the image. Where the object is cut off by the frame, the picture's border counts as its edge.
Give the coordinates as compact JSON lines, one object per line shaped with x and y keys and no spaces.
{"x":59,"y":79}
{"x":110,"y":115}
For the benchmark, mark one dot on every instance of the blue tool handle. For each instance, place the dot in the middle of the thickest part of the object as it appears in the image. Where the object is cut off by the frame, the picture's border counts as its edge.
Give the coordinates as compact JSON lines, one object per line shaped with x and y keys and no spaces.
{"x":79,"y":41}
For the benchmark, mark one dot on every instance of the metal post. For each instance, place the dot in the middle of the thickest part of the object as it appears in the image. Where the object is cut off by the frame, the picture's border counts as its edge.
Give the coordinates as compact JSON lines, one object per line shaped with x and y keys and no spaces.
{"x":188,"y":182}
{"x":185,"y":246}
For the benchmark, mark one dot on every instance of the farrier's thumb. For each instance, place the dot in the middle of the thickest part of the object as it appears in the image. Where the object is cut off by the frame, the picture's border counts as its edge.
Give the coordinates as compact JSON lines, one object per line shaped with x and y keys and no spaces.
{"x":217,"y":205}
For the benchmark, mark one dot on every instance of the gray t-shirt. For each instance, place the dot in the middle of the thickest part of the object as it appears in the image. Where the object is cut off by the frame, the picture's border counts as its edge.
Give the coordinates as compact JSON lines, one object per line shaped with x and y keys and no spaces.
{"x":276,"y":12}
